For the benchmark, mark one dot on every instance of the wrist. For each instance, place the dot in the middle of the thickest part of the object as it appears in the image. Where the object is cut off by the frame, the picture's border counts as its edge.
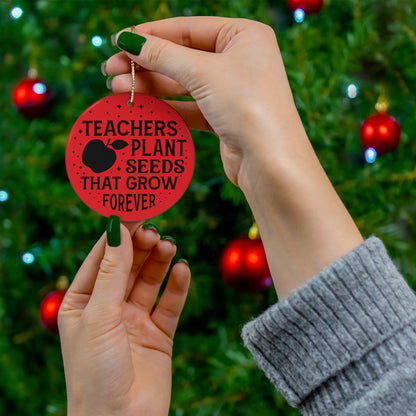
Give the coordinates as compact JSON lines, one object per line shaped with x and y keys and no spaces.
{"x":302,"y":221}
{"x":273,"y":151}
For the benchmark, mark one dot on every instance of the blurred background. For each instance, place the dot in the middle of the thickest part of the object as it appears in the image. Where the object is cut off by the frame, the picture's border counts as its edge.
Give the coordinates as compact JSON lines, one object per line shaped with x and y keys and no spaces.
{"x":347,"y":61}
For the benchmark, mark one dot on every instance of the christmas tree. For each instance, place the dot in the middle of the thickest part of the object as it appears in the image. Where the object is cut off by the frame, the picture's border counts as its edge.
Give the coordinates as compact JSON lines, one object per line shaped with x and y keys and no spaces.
{"x":341,"y":60}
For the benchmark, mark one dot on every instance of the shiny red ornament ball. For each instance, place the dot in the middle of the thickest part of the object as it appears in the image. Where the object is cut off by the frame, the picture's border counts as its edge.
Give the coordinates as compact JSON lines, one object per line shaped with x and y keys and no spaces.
{"x":244,"y":266}
{"x":49,"y":309}
{"x":308,"y":6}
{"x":32,"y":97}
{"x":381,"y":132}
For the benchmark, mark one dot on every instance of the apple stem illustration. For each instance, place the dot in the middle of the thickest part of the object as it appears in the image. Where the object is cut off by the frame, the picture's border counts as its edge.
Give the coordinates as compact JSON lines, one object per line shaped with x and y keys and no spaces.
{"x":108,"y":143}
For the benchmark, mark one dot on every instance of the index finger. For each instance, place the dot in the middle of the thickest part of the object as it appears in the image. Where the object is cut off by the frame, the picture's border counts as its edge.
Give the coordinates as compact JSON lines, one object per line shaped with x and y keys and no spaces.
{"x":197,"y":32}
{"x":132,"y":226}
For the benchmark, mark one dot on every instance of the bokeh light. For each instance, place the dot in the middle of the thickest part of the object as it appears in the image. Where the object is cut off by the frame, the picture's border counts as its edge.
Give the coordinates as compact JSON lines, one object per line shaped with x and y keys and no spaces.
{"x":370,"y":155}
{"x":4,"y":195}
{"x":299,"y":15}
{"x":28,"y":258}
{"x":16,"y":12}
{"x":352,"y":91}
{"x":97,"y":41}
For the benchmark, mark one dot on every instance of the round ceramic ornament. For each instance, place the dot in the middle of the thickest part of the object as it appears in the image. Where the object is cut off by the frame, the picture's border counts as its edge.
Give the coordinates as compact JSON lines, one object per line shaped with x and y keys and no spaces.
{"x":130,"y":156}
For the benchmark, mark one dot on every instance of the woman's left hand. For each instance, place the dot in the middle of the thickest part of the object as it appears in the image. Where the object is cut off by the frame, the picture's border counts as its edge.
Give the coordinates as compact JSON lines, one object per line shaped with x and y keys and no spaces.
{"x":116,"y":345}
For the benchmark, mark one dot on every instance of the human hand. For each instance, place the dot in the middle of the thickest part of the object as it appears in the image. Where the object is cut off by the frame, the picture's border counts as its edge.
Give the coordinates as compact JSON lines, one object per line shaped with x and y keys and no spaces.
{"x":234,"y":71}
{"x":231,"y":67}
{"x":117,"y":352}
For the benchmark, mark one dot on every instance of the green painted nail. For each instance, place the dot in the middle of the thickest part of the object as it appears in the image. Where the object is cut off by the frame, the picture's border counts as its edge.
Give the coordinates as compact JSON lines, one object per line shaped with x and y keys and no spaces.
{"x":113,"y":231}
{"x":108,"y":82}
{"x":150,"y":227}
{"x":183,"y":261}
{"x":104,"y":69}
{"x":131,"y":42}
{"x":169,"y":238}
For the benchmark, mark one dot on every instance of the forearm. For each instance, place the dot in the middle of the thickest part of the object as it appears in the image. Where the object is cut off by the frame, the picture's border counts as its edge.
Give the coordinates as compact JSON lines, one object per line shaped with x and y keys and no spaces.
{"x":303,"y":223}
{"x":343,"y":343}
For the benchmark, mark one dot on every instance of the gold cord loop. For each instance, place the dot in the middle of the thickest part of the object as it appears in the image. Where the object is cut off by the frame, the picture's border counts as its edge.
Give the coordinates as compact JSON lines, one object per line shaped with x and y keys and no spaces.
{"x":133,"y":79}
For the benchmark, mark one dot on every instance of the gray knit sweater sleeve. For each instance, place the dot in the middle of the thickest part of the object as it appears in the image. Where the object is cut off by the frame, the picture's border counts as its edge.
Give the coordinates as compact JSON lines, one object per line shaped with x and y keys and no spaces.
{"x":345,"y":342}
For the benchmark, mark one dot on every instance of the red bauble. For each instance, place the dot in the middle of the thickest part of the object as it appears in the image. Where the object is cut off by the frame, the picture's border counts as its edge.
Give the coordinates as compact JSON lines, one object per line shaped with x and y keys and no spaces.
{"x":308,"y":6}
{"x":32,"y":97}
{"x":381,"y":132}
{"x":244,"y":266}
{"x":49,"y":310}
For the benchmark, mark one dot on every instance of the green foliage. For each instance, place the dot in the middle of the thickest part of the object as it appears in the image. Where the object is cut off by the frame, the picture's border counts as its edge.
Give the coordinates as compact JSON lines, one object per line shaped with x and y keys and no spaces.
{"x":367,"y":42}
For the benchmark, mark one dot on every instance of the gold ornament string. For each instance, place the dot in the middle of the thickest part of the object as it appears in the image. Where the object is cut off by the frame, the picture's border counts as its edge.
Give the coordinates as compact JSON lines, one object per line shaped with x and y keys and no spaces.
{"x":133,"y":79}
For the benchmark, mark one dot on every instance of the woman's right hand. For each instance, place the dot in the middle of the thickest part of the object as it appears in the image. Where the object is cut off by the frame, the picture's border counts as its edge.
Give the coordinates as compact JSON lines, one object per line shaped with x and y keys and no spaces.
{"x":234,"y":70}
{"x":231,"y":67}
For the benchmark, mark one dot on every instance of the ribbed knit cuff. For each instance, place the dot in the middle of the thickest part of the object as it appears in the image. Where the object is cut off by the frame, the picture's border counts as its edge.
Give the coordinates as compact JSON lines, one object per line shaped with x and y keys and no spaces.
{"x":337,"y":333}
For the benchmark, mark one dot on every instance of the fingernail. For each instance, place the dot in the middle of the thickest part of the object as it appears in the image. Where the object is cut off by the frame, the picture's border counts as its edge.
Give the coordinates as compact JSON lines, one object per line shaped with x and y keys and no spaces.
{"x":169,"y":238}
{"x":113,"y":231}
{"x":131,"y":42}
{"x":183,"y":261}
{"x":108,"y":82}
{"x":114,"y":39}
{"x":103,"y":69}
{"x":150,"y":227}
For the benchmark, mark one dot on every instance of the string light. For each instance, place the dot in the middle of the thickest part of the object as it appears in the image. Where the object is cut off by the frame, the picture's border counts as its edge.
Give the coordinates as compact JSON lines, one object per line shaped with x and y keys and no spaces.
{"x":97,"y":41}
{"x":299,"y":15}
{"x":28,"y":258}
{"x":352,"y":91}
{"x":370,"y":155}
{"x":39,"y":88}
{"x":4,"y":195}
{"x":16,"y":12}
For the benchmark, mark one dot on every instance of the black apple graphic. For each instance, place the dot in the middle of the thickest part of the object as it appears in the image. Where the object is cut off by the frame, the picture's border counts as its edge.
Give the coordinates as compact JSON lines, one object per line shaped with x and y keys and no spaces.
{"x":99,"y":157}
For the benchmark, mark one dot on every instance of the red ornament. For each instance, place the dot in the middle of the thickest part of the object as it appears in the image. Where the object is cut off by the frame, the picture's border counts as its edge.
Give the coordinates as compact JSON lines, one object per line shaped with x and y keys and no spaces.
{"x":49,"y":309}
{"x":381,"y":132}
{"x":130,"y":160}
{"x":308,"y":6}
{"x":244,"y":266}
{"x":32,"y":97}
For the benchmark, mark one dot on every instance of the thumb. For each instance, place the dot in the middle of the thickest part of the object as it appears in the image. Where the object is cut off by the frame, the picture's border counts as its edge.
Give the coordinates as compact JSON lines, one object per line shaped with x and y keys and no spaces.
{"x":110,"y":286}
{"x":185,"y":65}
